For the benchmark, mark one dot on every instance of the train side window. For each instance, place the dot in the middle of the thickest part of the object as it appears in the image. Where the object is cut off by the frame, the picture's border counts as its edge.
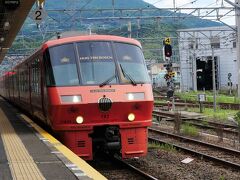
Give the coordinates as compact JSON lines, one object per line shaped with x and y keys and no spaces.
{"x":26,"y":78}
{"x":21,"y":80}
{"x":17,"y":80}
{"x":35,"y":76}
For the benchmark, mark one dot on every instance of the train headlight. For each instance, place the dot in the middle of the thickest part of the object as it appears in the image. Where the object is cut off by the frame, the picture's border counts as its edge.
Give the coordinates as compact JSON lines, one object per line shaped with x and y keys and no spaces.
{"x":131,"y":117}
{"x":71,"y":99}
{"x":79,"y":119}
{"x":136,"y":96}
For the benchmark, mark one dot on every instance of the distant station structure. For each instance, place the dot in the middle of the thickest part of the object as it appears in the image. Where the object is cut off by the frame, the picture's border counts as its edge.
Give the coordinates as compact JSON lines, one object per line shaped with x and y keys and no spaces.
{"x":12,"y":15}
{"x":198,"y":47}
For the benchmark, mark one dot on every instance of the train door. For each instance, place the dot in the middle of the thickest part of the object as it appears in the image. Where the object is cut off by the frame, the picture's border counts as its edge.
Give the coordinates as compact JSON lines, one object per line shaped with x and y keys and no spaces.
{"x":7,"y":85}
{"x":21,"y":84}
{"x":11,"y":88}
{"x":36,"y":93}
{"x":44,"y":93}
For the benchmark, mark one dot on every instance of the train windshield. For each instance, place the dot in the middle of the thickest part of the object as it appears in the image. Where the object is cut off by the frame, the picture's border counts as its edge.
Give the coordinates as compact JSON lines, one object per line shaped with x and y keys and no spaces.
{"x":62,"y":69}
{"x":131,"y":63}
{"x":96,"y":63}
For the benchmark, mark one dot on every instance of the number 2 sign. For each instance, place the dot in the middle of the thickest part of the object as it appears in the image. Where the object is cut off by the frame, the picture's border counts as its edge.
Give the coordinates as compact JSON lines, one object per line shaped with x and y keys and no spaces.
{"x":38,"y":15}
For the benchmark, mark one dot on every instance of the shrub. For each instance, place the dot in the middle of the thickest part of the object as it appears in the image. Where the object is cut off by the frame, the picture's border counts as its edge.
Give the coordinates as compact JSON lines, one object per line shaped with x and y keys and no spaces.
{"x":166,"y":147}
{"x":237,"y":118}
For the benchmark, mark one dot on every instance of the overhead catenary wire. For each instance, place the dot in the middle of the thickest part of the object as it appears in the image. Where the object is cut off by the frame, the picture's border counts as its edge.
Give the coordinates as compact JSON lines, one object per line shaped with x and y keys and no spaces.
{"x":46,"y":29}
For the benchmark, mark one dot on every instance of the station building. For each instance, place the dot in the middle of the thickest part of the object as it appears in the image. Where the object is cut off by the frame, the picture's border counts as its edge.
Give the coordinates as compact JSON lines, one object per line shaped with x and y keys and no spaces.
{"x":197,"y":48}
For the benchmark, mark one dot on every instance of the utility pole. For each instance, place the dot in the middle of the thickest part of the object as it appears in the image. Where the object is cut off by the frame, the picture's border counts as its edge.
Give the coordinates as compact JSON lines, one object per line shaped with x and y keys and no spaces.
{"x":113,"y":7}
{"x":214,"y":81}
{"x":237,"y":17}
{"x":194,"y":63}
{"x":129,"y":29}
{"x":237,"y":12}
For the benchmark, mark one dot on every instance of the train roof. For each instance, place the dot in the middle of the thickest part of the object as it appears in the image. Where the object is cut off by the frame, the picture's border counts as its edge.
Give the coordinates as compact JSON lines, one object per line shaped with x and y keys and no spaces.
{"x":64,"y":40}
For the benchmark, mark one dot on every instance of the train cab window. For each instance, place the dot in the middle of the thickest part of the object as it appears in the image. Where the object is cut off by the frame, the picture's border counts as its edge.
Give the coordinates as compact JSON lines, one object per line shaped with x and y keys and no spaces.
{"x":132,"y":65}
{"x":61,"y":68}
{"x":97,"y":64}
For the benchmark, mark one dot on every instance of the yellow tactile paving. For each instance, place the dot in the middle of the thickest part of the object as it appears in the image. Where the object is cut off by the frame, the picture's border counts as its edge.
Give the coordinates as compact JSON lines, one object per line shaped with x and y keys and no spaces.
{"x":20,"y":162}
{"x":80,"y":163}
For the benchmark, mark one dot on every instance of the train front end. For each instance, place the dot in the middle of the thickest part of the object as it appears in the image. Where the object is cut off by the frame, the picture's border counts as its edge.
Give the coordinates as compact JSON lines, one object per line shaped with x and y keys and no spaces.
{"x":99,"y":95}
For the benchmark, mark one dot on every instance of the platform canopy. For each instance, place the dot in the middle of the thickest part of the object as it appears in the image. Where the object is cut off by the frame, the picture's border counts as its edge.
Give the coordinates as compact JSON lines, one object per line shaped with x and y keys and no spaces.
{"x":12,"y":16}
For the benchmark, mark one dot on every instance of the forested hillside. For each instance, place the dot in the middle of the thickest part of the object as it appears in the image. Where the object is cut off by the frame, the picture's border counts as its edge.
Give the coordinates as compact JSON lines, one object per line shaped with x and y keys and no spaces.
{"x":149,"y":31}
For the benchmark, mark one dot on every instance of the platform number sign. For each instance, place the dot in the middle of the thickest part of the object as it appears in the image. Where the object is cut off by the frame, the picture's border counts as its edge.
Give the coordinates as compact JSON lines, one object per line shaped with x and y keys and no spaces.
{"x":167,"y":41}
{"x":38,"y":15}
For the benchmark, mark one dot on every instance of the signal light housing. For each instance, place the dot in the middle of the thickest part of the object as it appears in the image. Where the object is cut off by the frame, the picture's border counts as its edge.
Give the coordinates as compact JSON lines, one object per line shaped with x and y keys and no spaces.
{"x":168,"y":50}
{"x":170,"y":93}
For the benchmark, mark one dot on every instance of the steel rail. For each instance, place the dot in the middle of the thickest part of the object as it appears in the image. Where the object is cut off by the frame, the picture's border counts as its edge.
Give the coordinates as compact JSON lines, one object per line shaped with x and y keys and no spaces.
{"x":196,"y":123}
{"x":185,"y":118}
{"x":140,"y":172}
{"x":194,"y":152}
{"x":178,"y":102}
{"x":196,"y":141}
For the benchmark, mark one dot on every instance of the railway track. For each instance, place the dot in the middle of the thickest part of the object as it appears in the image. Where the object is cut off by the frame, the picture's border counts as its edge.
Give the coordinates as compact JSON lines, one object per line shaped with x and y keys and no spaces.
{"x":224,"y":156}
{"x":199,"y":122}
{"x":137,"y":170}
{"x":182,"y":103}
{"x":116,"y":168}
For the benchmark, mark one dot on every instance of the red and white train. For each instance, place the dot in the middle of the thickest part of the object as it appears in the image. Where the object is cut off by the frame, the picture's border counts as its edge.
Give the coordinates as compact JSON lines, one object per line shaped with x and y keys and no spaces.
{"x":93,"y":91}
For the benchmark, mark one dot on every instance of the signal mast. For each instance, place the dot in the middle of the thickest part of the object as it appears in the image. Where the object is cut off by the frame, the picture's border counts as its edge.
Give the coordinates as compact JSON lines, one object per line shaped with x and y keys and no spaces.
{"x":170,"y":73}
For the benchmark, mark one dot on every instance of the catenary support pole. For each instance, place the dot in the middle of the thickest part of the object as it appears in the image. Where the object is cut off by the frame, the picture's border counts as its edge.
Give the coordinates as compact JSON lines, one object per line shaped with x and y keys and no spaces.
{"x":194,"y":63}
{"x":214,"y":81}
{"x":238,"y":42}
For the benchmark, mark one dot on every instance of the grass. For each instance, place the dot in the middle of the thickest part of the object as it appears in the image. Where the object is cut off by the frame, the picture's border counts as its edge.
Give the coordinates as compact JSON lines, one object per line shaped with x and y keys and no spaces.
{"x":221,"y":98}
{"x":189,"y":130}
{"x":166,"y":147}
{"x":237,"y":118}
{"x":220,"y":114}
{"x":205,"y":123}
{"x":221,"y":177}
{"x":160,"y":101}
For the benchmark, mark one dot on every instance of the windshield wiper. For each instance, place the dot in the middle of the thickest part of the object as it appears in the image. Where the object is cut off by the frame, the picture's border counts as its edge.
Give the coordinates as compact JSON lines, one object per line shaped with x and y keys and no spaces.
{"x":128,"y":76}
{"x":107,"y":81}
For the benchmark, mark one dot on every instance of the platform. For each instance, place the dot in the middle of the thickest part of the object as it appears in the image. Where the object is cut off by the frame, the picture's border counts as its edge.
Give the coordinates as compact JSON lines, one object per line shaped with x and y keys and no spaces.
{"x":29,"y":152}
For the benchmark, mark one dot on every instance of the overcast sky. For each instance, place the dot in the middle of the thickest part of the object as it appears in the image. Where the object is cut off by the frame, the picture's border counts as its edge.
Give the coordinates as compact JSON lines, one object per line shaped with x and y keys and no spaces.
{"x":193,"y":3}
